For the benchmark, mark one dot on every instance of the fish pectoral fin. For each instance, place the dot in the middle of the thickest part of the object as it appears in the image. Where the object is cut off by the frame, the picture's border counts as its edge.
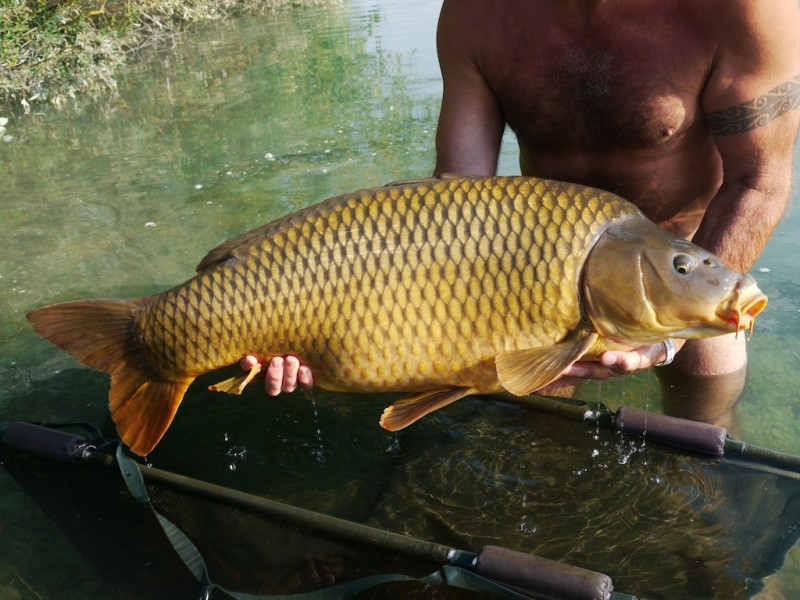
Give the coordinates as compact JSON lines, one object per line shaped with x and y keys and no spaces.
{"x":523,"y":372}
{"x":407,"y":410}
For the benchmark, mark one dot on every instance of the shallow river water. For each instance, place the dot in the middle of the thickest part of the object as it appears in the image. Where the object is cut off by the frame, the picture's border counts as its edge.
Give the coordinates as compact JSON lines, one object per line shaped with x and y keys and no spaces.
{"x":240,"y":122}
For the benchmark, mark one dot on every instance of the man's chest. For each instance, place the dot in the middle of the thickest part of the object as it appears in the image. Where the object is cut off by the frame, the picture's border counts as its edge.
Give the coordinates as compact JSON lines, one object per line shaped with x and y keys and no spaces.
{"x":590,"y":94}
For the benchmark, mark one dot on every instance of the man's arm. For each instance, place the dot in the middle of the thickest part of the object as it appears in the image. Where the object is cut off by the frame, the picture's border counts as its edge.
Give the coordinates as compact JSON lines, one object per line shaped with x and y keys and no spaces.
{"x":471,"y":120}
{"x":752,"y":101}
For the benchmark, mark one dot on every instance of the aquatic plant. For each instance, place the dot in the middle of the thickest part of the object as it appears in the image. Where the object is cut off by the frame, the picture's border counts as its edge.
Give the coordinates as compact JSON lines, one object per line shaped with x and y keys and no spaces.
{"x":54,"y":50}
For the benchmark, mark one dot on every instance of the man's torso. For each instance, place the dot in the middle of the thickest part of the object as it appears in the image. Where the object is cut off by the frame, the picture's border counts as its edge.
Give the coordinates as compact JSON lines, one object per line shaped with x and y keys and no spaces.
{"x":609,"y":95}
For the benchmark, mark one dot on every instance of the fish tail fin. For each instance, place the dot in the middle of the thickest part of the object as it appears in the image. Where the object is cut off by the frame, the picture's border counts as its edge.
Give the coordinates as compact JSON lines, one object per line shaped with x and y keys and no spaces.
{"x":99,"y":334}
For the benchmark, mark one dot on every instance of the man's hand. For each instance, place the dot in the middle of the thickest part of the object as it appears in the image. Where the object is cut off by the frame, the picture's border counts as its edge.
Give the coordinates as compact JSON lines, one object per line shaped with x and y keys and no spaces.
{"x":283,"y":374}
{"x":612,"y":364}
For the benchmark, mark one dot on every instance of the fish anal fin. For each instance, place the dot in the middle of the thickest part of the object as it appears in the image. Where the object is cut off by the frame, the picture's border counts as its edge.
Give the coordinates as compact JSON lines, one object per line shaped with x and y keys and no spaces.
{"x":523,"y":372}
{"x":407,"y":410}
{"x":232,"y":385}
{"x":235,"y":385}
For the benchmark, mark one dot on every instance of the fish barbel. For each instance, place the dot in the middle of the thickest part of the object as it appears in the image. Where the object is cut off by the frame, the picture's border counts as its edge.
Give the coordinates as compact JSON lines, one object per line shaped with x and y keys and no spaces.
{"x":440,"y":288}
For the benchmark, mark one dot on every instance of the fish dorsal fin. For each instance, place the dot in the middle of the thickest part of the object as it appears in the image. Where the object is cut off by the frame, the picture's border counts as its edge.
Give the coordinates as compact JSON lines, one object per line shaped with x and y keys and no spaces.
{"x":425,"y":180}
{"x":238,"y":245}
{"x":523,"y":372}
{"x":407,"y":410}
{"x":228,"y":248}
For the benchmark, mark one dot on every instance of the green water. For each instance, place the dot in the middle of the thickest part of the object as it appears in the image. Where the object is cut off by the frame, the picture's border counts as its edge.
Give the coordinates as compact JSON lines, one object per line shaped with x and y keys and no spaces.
{"x":236,"y":124}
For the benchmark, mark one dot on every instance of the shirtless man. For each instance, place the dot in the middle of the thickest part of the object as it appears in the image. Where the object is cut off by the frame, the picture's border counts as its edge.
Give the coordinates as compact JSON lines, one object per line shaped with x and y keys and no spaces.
{"x":687,"y":108}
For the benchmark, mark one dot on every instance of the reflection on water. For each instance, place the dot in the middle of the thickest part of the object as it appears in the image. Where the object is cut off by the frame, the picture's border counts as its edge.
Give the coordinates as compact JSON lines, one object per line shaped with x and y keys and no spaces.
{"x":243,"y":122}
{"x":555,"y":488}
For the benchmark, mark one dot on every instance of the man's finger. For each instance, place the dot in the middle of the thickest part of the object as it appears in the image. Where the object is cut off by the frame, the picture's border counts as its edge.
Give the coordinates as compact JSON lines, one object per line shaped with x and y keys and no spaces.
{"x":290,"y":366}
{"x":248,"y":362}
{"x":625,"y":363}
{"x":273,"y":380}
{"x":305,"y":378}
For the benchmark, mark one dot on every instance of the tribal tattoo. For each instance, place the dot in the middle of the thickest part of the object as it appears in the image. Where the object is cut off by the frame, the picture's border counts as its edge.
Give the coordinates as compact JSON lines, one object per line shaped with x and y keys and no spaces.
{"x":757,"y":113}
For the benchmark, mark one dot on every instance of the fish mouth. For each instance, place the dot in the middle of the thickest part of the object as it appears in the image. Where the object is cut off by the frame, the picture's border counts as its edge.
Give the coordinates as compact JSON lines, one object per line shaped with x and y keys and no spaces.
{"x":745,"y":304}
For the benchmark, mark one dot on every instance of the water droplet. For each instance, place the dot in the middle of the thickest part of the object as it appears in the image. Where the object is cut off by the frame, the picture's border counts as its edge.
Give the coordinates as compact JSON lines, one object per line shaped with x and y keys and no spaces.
{"x":237,"y":452}
{"x":394,"y":444}
{"x":319,"y":454}
{"x":528,"y":528}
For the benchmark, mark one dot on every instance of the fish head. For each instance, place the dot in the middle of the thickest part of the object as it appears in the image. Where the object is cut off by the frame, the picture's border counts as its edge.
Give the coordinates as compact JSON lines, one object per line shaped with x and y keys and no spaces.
{"x":640,"y":285}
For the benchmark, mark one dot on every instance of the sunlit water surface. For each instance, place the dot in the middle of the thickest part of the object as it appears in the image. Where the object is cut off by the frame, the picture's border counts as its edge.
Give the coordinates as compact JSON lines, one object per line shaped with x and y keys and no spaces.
{"x":241,"y":122}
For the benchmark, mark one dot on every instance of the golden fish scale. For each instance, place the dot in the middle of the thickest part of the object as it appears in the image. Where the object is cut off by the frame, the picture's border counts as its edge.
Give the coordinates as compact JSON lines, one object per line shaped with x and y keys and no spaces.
{"x":392,"y":288}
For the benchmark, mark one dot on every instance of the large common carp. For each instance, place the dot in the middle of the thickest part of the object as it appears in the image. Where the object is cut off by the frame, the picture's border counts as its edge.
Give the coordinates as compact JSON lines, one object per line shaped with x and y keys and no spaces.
{"x":440,"y":288}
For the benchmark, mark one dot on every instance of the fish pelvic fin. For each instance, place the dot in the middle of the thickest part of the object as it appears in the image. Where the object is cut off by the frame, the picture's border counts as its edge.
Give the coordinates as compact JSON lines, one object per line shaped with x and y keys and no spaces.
{"x":408,"y":410}
{"x":99,"y":334}
{"x":523,"y":372}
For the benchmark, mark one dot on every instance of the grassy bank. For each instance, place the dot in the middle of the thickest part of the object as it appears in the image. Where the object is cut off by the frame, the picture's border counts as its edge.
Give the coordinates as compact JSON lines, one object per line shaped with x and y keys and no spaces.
{"x":55,"y":50}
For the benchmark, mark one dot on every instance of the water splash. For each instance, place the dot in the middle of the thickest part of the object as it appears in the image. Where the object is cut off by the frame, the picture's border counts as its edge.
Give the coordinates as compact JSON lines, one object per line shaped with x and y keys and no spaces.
{"x":319,"y":452}
{"x":238,"y":454}
{"x":394,"y":444}
{"x":599,"y":399}
{"x":648,"y":387}
{"x":528,"y":528}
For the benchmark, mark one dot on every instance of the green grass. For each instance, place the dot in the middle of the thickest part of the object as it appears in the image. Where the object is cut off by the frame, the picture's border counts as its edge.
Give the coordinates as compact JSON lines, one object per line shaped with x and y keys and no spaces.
{"x":56,"y":50}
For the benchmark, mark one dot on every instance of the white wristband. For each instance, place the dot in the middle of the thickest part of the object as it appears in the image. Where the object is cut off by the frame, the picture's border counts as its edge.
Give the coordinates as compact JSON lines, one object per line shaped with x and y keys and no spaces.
{"x":669,"y":346}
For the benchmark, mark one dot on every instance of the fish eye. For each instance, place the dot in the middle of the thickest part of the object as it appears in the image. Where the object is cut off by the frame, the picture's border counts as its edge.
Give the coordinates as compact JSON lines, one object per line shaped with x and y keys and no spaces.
{"x":683,"y":264}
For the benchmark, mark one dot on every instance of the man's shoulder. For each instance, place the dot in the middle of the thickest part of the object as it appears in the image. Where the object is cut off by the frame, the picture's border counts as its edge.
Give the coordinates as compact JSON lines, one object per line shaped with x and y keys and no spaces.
{"x":740,"y":20}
